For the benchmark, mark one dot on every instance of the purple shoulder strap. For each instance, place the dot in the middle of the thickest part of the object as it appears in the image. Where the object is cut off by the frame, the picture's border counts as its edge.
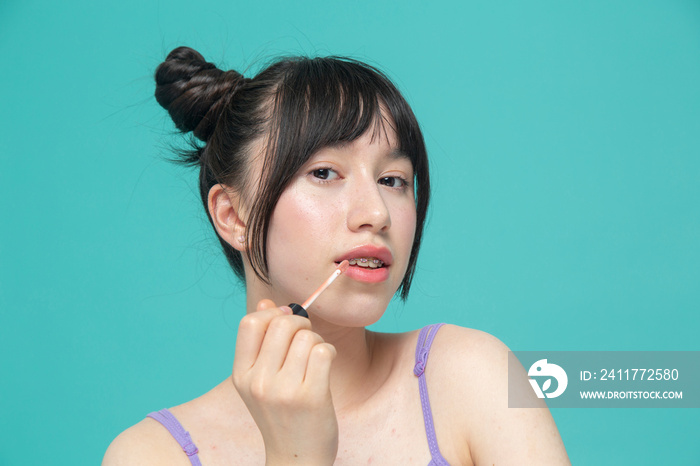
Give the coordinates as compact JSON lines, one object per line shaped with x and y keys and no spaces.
{"x":178,"y":432}
{"x":425,"y":341}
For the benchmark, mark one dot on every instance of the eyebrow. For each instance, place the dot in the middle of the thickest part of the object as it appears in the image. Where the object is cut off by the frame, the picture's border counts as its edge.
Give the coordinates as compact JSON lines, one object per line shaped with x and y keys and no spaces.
{"x":398,"y":154}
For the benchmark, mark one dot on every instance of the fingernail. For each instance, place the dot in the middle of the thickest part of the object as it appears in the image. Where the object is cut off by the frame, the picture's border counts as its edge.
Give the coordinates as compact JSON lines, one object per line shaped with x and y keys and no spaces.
{"x":286,"y":309}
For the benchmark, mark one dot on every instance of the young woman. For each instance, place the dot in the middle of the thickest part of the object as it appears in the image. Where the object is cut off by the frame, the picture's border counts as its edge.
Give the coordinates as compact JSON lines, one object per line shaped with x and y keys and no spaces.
{"x":310,"y":163}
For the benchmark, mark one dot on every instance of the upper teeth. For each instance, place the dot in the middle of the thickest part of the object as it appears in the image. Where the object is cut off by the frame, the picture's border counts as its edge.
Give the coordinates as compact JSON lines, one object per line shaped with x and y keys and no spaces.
{"x":371,"y":262}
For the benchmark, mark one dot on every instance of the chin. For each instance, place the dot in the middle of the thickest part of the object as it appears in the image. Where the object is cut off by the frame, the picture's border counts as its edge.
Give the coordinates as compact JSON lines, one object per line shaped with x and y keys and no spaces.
{"x":355,"y":321}
{"x":358,"y":311}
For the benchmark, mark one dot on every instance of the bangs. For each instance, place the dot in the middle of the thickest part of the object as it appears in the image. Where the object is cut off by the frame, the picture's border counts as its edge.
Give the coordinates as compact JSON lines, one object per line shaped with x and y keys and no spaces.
{"x":324,"y":102}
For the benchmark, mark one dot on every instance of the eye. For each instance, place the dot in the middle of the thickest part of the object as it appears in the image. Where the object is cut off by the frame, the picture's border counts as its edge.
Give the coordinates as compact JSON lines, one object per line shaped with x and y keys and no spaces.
{"x":393,"y":182}
{"x":325,"y":174}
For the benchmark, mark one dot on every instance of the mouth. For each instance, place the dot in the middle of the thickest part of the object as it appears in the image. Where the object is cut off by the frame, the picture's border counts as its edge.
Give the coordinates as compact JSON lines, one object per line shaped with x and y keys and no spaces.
{"x":368,"y":263}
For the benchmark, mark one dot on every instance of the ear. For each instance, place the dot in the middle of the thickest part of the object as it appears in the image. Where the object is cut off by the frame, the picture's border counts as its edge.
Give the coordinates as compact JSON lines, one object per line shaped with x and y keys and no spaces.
{"x":225,"y":209}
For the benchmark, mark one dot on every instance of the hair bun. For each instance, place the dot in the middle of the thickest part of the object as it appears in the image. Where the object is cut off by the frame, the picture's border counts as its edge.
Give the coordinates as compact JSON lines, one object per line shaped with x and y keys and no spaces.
{"x":193,"y":90}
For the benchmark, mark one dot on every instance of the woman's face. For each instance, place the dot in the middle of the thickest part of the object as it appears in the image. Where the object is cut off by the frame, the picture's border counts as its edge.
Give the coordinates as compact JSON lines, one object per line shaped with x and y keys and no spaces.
{"x":352,"y":201}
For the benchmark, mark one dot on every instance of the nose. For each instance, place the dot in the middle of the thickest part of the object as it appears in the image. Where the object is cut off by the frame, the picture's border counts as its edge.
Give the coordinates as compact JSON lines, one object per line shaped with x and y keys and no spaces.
{"x":367,"y":209}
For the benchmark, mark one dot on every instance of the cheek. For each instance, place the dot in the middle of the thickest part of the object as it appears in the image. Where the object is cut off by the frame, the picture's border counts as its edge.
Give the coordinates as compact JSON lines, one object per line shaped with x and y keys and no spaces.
{"x":407,"y":231}
{"x":304,"y":214}
{"x":403,"y":221}
{"x":301,"y":228}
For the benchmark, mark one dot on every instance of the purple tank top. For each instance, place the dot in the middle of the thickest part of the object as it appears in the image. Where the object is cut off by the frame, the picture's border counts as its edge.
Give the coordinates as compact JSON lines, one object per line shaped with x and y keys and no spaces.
{"x":171,"y":423}
{"x":425,"y":341}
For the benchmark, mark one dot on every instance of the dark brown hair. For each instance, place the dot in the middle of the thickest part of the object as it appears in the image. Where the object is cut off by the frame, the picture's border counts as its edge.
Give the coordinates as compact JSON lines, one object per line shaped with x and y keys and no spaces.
{"x":299,"y":105}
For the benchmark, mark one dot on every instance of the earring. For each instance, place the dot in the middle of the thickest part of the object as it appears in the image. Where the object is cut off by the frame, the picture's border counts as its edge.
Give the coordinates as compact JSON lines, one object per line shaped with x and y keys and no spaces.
{"x":241,"y":239}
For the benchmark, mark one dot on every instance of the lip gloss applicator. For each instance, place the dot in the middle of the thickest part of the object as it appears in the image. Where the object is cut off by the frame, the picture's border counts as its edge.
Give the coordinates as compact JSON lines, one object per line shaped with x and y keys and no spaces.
{"x":300,"y":310}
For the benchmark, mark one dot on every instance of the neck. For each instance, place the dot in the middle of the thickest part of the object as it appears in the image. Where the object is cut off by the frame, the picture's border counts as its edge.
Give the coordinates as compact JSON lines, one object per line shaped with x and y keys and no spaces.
{"x":355,"y":365}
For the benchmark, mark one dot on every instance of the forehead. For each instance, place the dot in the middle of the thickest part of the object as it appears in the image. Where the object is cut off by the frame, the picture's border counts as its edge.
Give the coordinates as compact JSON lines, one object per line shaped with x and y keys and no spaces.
{"x":381,"y":132}
{"x":381,"y":137}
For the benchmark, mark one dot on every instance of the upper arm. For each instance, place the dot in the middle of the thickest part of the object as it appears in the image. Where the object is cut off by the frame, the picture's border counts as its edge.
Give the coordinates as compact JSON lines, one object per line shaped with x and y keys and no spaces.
{"x":475,"y":364}
{"x":146,"y":443}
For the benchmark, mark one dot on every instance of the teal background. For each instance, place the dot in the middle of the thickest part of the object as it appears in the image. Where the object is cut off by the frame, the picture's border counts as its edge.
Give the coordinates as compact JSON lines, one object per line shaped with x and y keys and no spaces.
{"x":565,"y":147}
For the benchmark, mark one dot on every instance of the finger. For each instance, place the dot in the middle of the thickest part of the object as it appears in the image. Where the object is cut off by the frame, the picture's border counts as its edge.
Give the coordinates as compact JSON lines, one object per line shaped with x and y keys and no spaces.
{"x":265,"y":304}
{"x":277,"y":341}
{"x":251,"y":333}
{"x":318,"y":371}
{"x":297,"y":359}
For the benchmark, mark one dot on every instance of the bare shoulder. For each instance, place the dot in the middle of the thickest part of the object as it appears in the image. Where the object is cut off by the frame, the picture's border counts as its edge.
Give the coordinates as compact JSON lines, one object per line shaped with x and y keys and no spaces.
{"x":468,"y":368}
{"x":462,"y":342}
{"x":460,"y":354}
{"x":147,"y":443}
{"x":468,"y":371}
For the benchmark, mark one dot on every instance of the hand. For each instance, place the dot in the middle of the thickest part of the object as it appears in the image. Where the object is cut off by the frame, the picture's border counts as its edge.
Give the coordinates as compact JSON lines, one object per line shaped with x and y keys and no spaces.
{"x":281,"y":369}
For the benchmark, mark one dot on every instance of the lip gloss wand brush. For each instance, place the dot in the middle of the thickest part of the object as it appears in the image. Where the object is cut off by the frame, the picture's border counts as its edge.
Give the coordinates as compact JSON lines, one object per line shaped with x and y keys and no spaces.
{"x":300,"y":310}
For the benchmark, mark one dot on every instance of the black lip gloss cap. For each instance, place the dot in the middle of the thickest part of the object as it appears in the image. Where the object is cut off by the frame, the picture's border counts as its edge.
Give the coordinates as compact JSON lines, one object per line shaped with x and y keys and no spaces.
{"x":297,"y":310}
